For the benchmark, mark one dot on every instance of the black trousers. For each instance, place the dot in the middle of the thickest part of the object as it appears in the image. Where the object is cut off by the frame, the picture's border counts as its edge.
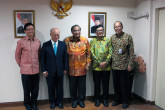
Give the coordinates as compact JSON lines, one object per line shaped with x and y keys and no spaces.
{"x":121,"y":83}
{"x":77,"y":86}
{"x":55,"y":89}
{"x":99,"y":76}
{"x":30,"y":86}
{"x":131,"y":83}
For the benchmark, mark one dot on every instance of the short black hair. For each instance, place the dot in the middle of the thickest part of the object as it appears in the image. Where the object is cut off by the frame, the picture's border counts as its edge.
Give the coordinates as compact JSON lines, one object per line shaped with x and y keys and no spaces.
{"x":24,"y":18}
{"x":97,"y":18}
{"x":75,"y":26}
{"x":119,"y":22}
{"x":98,"y":26}
{"x":28,"y":24}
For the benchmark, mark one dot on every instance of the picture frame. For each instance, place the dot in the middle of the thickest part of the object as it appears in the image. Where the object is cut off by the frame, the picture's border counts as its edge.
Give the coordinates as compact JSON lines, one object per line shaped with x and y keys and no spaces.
{"x":21,"y":17}
{"x":96,"y":18}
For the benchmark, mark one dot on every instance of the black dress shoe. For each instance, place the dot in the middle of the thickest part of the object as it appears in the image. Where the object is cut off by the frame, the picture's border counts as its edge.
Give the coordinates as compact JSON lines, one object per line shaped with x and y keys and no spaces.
{"x":125,"y":105}
{"x":81,"y":103}
{"x":28,"y":107}
{"x":115,"y":103}
{"x":34,"y":107}
{"x":97,"y":102}
{"x":60,"y":105}
{"x":105,"y":103}
{"x":52,"y":106}
{"x":74,"y":104}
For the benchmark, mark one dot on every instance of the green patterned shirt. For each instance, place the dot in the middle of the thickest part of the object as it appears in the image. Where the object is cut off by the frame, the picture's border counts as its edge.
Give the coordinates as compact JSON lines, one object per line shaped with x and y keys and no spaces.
{"x":123,"y":51}
{"x":101,"y":51}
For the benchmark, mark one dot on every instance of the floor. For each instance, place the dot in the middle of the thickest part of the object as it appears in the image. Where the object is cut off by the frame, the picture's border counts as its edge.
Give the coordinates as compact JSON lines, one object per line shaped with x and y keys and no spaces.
{"x":89,"y":105}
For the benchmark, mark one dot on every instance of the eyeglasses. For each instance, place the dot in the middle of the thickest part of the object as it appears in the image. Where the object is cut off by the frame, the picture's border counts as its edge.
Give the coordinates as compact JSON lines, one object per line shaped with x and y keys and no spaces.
{"x":76,"y":30}
{"x":117,"y":27}
{"x":55,"y":35}
{"x":29,"y":29}
{"x":99,"y":30}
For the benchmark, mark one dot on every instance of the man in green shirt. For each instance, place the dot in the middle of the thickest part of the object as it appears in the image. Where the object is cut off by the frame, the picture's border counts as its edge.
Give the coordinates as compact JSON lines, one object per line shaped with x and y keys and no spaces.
{"x":122,"y":63}
{"x":101,"y":51}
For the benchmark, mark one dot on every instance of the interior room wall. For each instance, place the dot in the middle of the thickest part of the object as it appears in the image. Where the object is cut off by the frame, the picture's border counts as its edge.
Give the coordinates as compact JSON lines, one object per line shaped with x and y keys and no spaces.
{"x":146,"y":44}
{"x":10,"y":80}
{"x":141,"y":43}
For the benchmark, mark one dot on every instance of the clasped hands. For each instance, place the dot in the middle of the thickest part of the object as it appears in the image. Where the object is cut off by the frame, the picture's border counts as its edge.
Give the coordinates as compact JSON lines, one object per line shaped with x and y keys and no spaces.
{"x":103,"y":65}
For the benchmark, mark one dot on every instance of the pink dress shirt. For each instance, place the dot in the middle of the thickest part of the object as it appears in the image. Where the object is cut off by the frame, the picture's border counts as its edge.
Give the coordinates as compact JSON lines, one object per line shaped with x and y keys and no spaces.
{"x":27,"y":55}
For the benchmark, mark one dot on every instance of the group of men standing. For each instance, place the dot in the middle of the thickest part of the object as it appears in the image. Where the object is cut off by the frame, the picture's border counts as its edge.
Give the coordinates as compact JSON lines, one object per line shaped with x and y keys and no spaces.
{"x":73,"y":57}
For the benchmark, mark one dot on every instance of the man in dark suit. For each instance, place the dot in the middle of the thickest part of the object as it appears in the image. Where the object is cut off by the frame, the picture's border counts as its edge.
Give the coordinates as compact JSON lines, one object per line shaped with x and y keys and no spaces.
{"x":54,"y":65}
{"x":20,"y":29}
{"x":97,"y":22}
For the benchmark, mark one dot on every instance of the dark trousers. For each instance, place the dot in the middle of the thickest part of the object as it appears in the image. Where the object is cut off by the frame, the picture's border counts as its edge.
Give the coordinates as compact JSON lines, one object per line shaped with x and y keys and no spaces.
{"x":77,"y":86}
{"x":131,"y":83}
{"x":30,"y":86}
{"x":99,"y":76}
{"x":121,"y":83}
{"x":55,"y":89}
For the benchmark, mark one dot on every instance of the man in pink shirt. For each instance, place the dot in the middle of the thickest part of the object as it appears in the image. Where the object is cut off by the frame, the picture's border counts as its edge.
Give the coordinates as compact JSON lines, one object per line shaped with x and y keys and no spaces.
{"x":27,"y":57}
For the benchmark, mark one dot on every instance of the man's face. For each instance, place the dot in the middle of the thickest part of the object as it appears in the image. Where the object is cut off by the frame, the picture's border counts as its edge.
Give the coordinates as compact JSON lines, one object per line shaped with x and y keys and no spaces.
{"x":24,"y":21}
{"x":55,"y":34}
{"x":29,"y":31}
{"x":118,"y":28}
{"x":99,"y":32}
{"x":97,"y":22}
{"x":76,"y":32}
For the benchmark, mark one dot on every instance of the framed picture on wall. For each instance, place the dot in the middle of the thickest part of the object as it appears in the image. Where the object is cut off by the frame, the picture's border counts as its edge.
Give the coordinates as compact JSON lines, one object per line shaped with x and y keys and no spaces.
{"x":21,"y":17}
{"x":94,"y":19}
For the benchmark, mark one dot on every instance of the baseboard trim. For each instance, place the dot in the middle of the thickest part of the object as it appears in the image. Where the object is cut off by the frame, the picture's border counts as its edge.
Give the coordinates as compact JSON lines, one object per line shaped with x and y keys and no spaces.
{"x":67,"y":100}
{"x":143,"y":100}
{"x":9,"y":104}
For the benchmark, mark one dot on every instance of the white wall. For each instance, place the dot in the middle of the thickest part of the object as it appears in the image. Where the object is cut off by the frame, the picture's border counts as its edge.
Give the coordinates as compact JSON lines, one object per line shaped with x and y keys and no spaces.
{"x":10,"y":81}
{"x":141,"y":42}
{"x":146,"y":43}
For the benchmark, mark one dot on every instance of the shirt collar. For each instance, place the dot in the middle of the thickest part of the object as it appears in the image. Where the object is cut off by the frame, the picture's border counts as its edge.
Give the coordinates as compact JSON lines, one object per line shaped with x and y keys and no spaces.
{"x":73,"y":40}
{"x":120,"y":35}
{"x":54,"y":42}
{"x":27,"y":38}
{"x":102,"y":39}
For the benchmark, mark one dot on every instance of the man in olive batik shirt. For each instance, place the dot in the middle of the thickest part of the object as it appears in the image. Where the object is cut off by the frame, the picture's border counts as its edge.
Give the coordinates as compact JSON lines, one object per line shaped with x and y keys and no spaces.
{"x":122,"y":63}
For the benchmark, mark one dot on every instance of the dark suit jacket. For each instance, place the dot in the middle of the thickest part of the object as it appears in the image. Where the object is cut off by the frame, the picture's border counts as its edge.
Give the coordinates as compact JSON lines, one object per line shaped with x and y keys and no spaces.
{"x":54,"y":63}
{"x":20,"y":30}
{"x":93,"y":29}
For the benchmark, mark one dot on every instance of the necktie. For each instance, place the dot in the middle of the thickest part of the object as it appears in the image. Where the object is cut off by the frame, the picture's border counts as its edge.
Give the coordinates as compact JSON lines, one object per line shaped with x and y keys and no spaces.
{"x":55,"y":48}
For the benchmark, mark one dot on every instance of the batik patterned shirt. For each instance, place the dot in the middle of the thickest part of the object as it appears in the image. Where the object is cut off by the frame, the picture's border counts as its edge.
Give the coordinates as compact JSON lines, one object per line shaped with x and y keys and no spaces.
{"x":101,"y":51}
{"x":79,"y":55}
{"x":123,"y":51}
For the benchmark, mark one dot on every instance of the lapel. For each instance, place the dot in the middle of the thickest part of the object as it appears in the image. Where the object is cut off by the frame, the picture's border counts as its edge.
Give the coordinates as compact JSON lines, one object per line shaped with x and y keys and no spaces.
{"x":58,"y":48}
{"x":51,"y":47}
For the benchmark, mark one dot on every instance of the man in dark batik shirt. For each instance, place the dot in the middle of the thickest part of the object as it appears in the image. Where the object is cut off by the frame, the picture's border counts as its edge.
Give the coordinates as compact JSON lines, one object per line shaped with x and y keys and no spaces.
{"x":122,"y":64}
